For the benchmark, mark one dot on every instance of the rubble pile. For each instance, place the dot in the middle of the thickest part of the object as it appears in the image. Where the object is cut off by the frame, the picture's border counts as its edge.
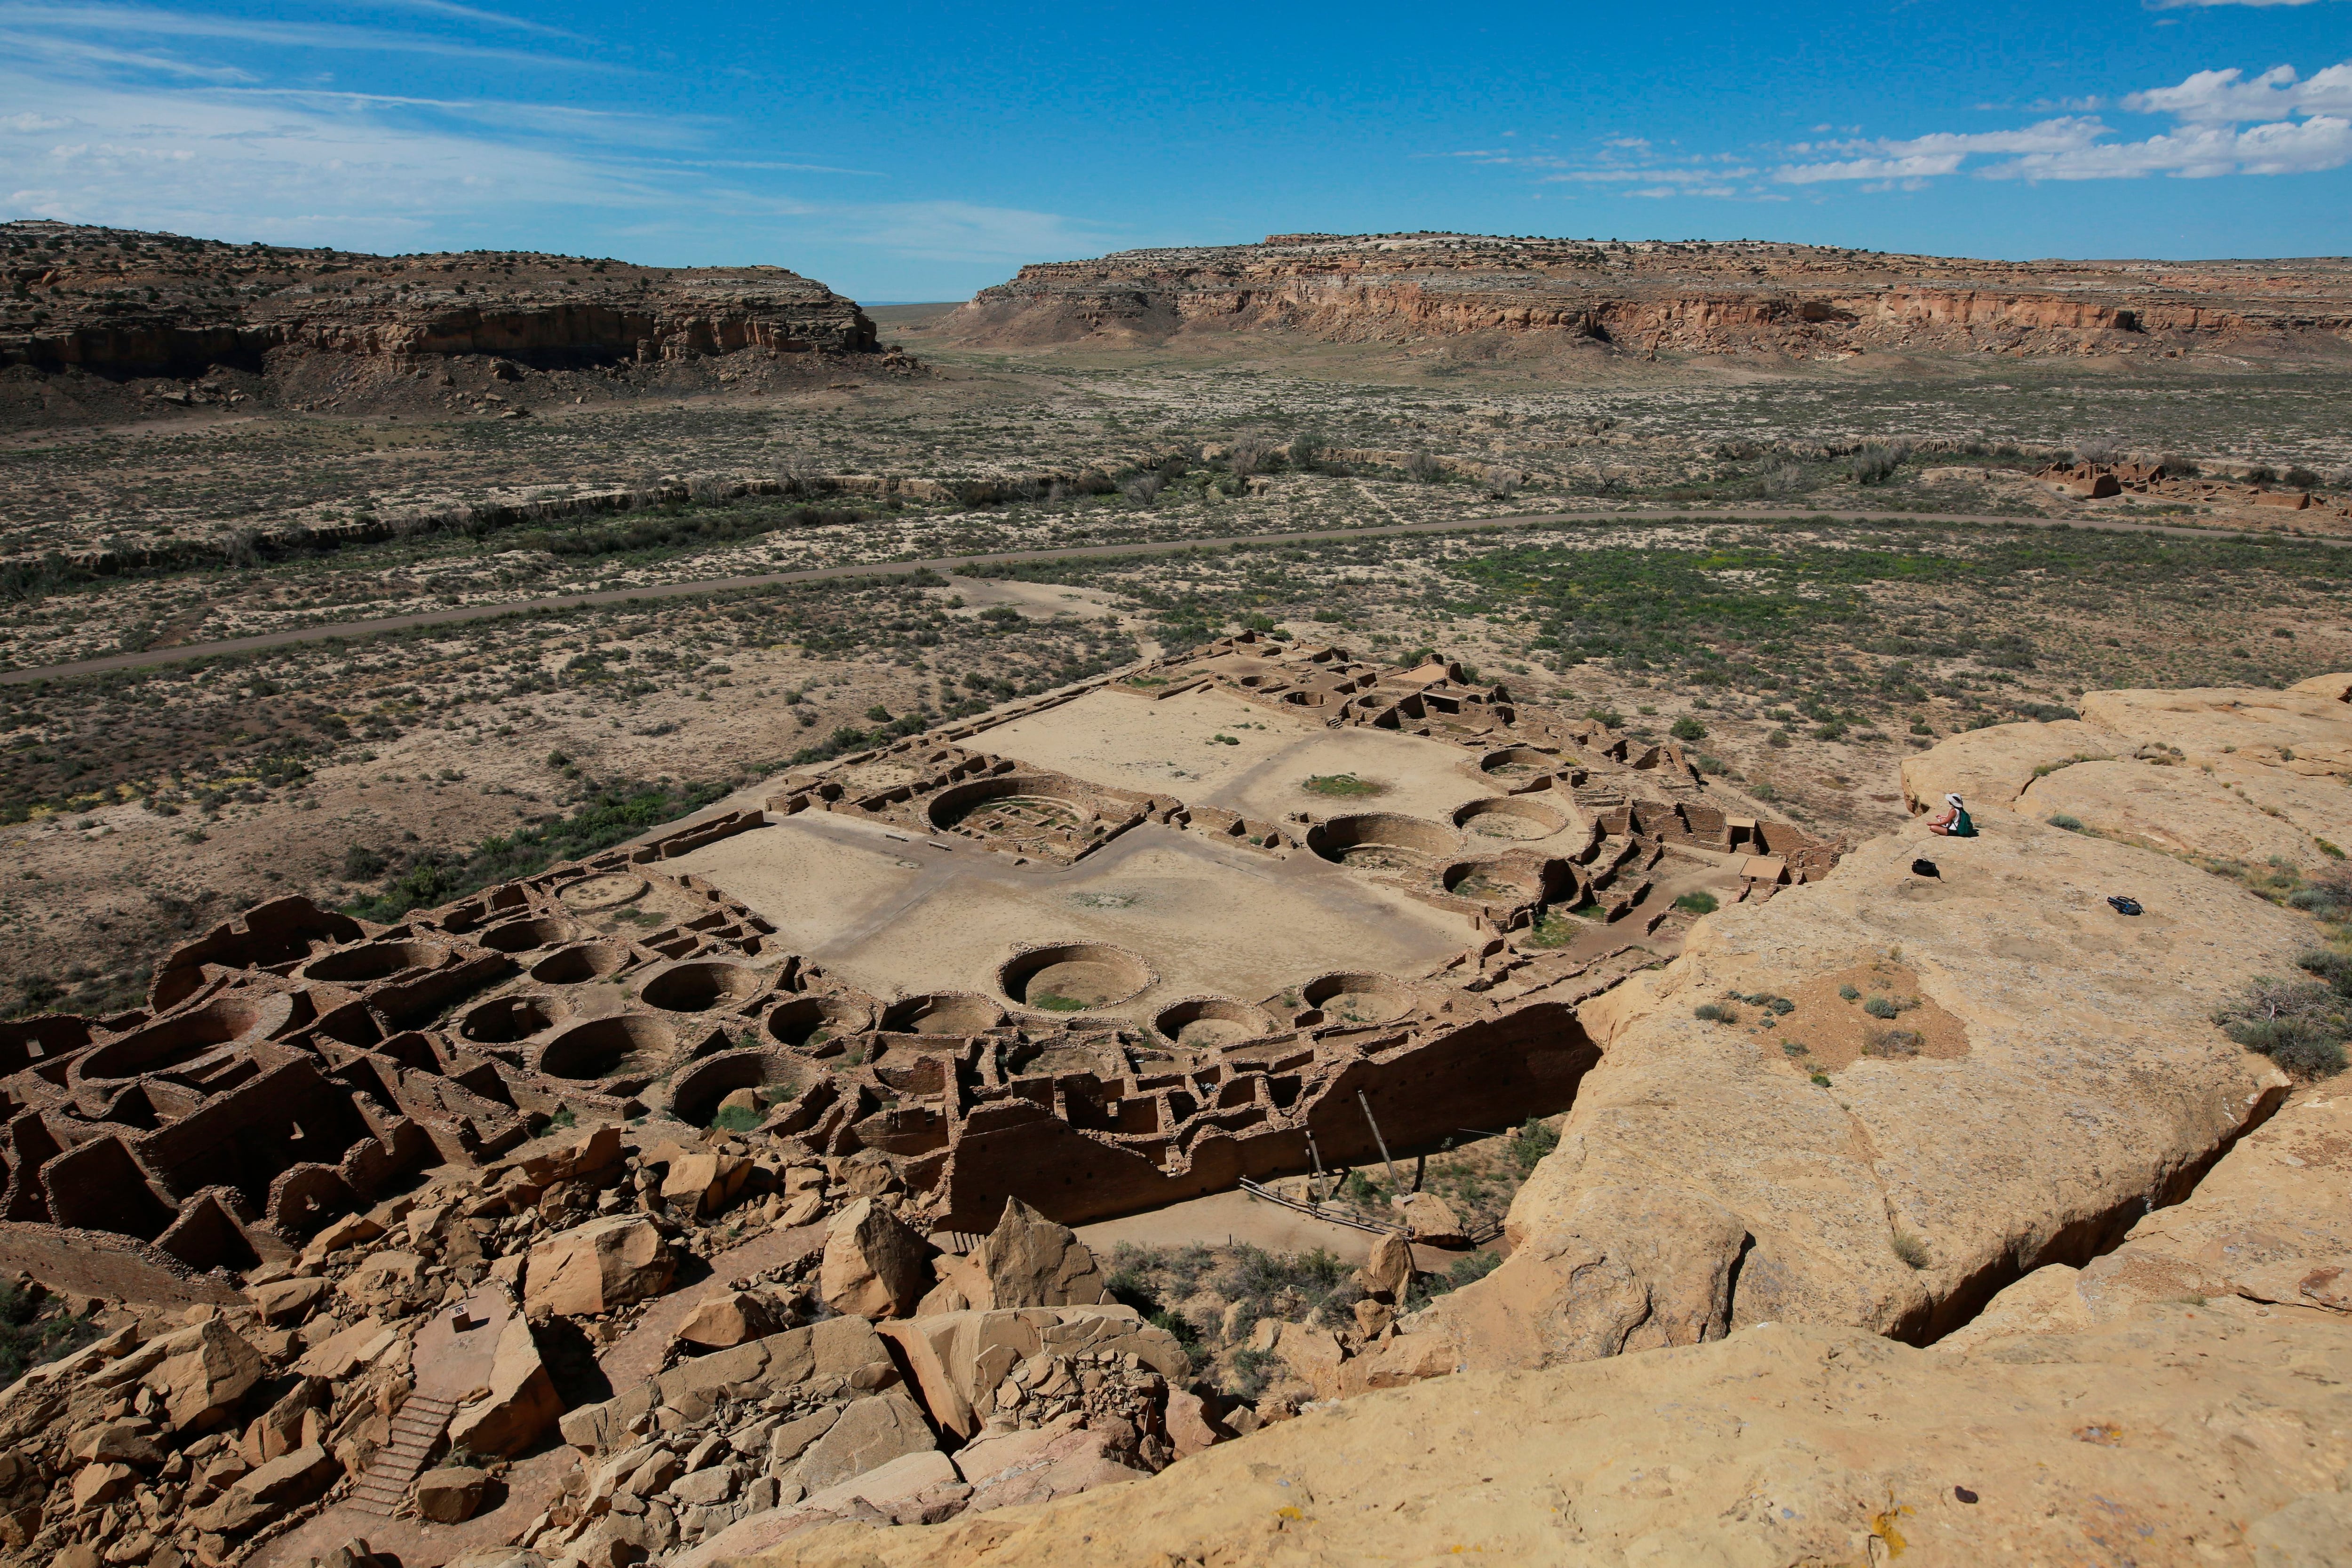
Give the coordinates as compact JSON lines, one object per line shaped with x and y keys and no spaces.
{"x":865,"y":1374}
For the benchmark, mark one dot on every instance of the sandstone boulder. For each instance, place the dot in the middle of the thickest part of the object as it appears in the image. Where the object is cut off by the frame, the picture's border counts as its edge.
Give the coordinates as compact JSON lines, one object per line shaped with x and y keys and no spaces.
{"x":521,"y":1404}
{"x":2178,"y":809}
{"x":128,"y":1441}
{"x":1314,"y":1356}
{"x":874,"y":1265}
{"x":1190,"y":1426}
{"x":597,"y":1267}
{"x":959,"y":1360}
{"x":100,"y":1483}
{"x":886,"y":1490}
{"x":700,"y":1186}
{"x":1065,"y":1464}
{"x":451,"y":1494}
{"x":2232,"y":728}
{"x":728,"y":1319}
{"x":1432,"y":1220}
{"x":870,"y":1433}
{"x":286,"y":1300}
{"x":1992,"y":767}
{"x":2268,"y":1231}
{"x":2047,"y":1126}
{"x":207,"y":1369}
{"x":1028,"y":1261}
{"x":347,"y":1232}
{"x":839,"y":1351}
{"x":2336,"y":688}
{"x":381,"y":1277}
{"x":265,"y":1493}
{"x":1389,"y":1271}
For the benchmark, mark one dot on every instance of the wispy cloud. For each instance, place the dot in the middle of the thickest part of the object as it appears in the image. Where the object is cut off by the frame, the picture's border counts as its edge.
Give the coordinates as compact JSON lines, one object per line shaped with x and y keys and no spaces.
{"x":146,"y":119}
{"x":60,"y":22}
{"x":2224,"y":124}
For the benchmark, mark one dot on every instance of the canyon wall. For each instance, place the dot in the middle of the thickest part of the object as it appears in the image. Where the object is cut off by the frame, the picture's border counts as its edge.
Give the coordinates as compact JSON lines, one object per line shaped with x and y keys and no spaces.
{"x":120,"y":303}
{"x":1646,"y":296}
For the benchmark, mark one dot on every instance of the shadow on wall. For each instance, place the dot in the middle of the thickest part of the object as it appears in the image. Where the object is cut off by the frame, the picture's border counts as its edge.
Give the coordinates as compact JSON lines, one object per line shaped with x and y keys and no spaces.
{"x":1491,"y":1072}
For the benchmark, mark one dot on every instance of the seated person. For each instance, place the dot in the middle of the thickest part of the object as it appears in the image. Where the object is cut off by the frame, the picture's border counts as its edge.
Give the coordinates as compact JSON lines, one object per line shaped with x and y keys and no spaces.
{"x":1955,"y":823}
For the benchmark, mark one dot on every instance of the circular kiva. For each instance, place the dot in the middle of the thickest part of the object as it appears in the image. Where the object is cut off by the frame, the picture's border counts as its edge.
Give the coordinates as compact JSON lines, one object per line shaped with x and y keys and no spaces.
{"x":698,"y":987}
{"x":1493,"y":880}
{"x":1381,"y":841}
{"x":1073,"y":977}
{"x":175,"y":1040}
{"x":817,"y":1024}
{"x":1518,"y":763}
{"x":1015,"y":807}
{"x":942,"y":1013}
{"x":605,"y":892}
{"x":587,"y":961}
{"x":1354,"y":998}
{"x":601,"y":1048}
{"x":1510,"y":817}
{"x":374,"y":960}
{"x":696,"y":1092}
{"x":523,"y":936}
{"x":503,"y":1020}
{"x":1206,"y":1023}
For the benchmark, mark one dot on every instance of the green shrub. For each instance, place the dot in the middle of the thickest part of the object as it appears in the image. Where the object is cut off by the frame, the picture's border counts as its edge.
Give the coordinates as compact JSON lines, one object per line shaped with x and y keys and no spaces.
{"x":1340,"y":785}
{"x":1715,"y":1013}
{"x":1535,"y":1138}
{"x":2060,"y":819}
{"x":1881,"y":1008}
{"x":1551,"y":930}
{"x":1909,"y":1248}
{"x":34,"y":1329}
{"x":2301,"y":1025}
{"x":736,"y":1118}
{"x":1687,"y":729}
{"x":1697,"y":903}
{"x":2331,"y":965}
{"x":1849,"y":993}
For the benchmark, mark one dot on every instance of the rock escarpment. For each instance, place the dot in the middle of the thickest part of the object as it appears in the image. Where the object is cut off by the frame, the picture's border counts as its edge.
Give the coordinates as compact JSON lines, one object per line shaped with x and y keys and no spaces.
{"x":2181,"y":1401}
{"x":1646,"y":296}
{"x":121,"y":303}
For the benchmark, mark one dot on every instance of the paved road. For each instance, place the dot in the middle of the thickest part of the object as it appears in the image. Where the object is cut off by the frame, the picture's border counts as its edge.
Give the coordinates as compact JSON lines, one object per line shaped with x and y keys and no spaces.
{"x":354,"y":630}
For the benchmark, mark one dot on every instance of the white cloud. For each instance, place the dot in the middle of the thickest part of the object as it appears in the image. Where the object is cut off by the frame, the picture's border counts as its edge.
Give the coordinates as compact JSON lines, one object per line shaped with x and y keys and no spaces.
{"x":2227,"y":98}
{"x":2225,"y":122}
{"x":55,"y":23}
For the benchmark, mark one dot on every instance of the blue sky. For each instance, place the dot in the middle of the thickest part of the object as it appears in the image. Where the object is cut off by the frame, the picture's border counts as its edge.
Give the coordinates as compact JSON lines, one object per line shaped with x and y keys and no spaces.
{"x":911,"y":151}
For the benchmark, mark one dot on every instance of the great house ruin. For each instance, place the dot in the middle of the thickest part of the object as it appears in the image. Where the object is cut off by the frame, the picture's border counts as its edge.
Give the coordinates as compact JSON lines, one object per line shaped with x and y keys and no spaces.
{"x":1051,"y":953}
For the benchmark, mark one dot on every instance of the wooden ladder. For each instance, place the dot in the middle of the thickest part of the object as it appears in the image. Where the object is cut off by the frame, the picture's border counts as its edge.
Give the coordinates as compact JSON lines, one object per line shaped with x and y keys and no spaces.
{"x":382,"y":1488}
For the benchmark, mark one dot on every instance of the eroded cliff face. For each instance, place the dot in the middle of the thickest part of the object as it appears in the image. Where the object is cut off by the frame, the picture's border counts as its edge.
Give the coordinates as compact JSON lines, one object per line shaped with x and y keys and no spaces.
{"x":121,"y":303}
{"x":2125,"y":1258}
{"x":1648,"y":296}
{"x":2185,"y":1396}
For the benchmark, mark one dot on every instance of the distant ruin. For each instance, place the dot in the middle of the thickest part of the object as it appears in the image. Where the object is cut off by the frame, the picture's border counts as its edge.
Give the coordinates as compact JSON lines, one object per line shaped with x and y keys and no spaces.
{"x":294,"y":1064}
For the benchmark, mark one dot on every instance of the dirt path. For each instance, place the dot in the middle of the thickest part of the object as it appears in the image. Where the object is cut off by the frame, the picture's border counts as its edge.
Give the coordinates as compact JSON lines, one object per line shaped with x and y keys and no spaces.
{"x":150,"y":657}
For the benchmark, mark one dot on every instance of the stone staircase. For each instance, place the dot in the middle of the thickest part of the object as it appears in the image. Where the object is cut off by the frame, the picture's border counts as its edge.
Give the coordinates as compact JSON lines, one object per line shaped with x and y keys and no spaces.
{"x":383,"y":1487}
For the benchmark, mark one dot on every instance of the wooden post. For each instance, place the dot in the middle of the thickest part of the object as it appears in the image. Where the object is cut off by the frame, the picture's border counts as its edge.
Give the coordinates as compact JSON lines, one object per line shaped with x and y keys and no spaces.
{"x":1384,"y":1143}
{"x":1316,"y":1155}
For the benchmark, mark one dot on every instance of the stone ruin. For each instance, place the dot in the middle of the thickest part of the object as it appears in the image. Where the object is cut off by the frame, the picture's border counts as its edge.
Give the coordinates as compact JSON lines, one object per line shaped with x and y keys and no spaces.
{"x":295,"y":1065}
{"x":343,"y":1145}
